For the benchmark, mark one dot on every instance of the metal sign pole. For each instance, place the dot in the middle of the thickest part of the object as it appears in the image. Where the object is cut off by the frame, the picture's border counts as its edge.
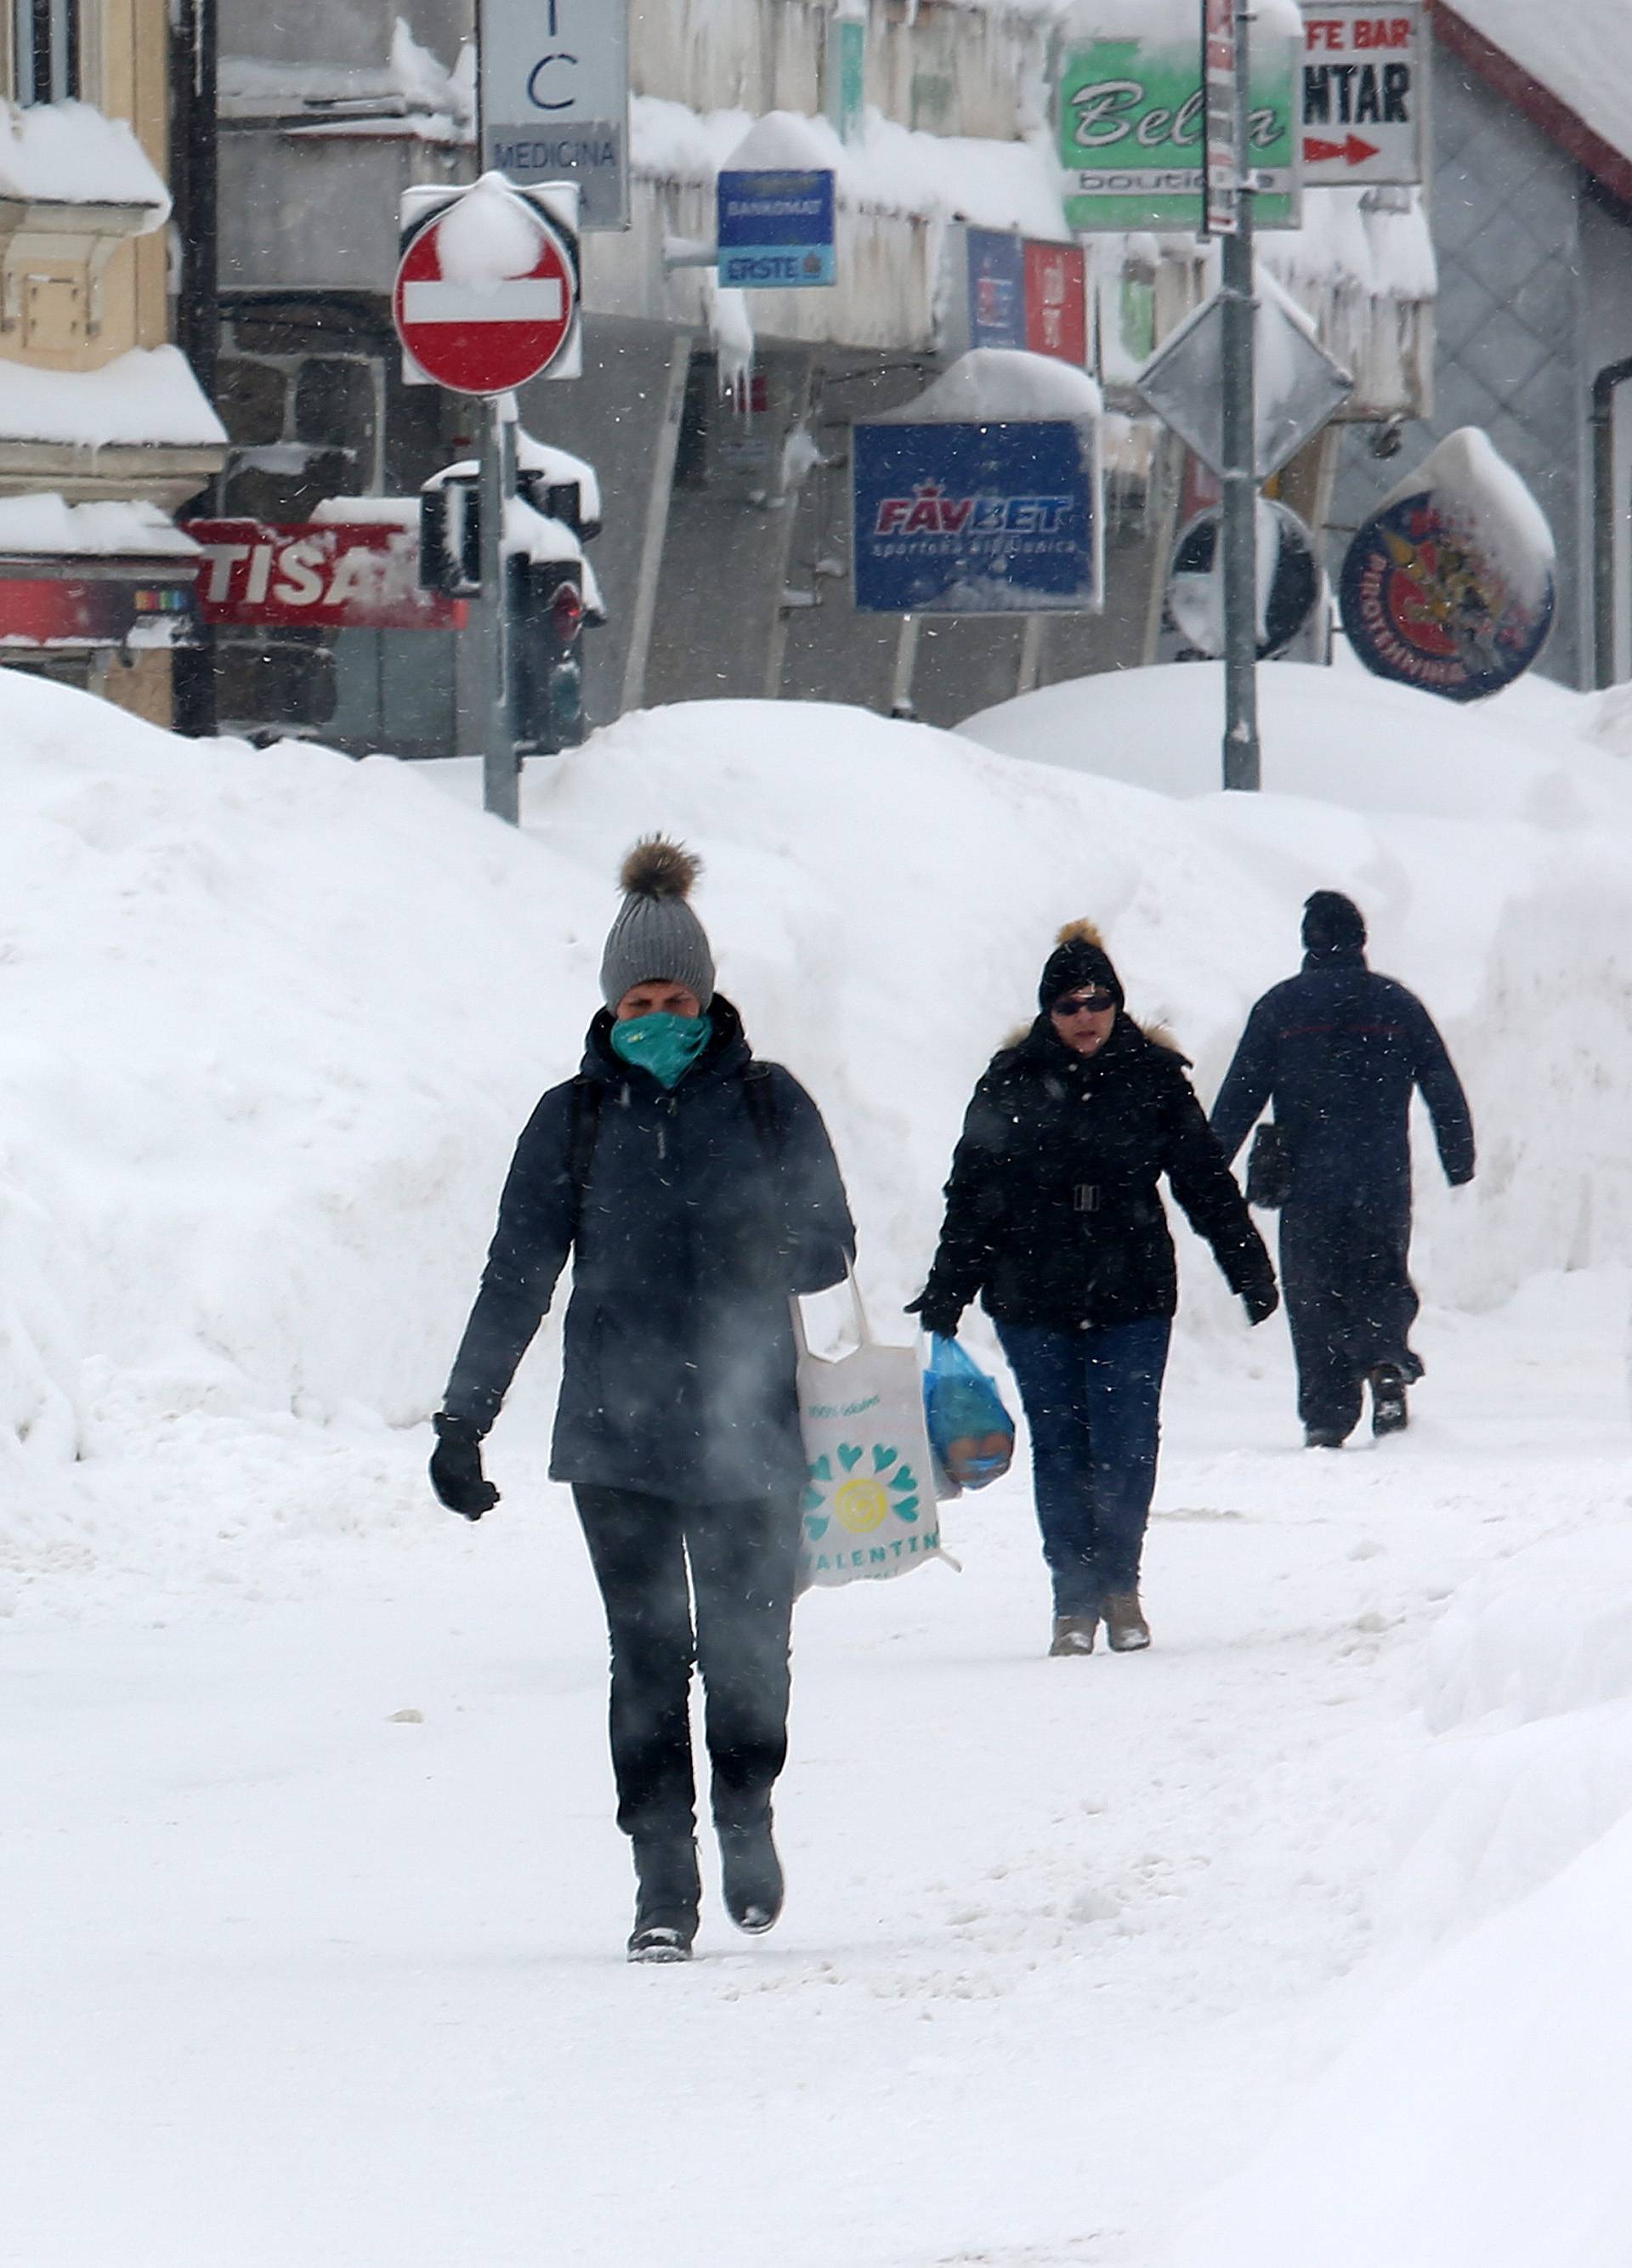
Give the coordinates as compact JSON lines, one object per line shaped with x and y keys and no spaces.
{"x":1240,"y":475}
{"x":501,"y":776}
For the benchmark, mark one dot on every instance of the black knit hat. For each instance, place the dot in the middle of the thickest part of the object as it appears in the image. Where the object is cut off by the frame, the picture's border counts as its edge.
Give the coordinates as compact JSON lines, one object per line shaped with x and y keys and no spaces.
{"x":1078,"y":959}
{"x":1332,"y":924}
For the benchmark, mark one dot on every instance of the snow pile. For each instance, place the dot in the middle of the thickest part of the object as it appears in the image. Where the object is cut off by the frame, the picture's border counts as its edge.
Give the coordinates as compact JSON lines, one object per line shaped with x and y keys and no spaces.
{"x":993,"y":385}
{"x":148,"y":395}
{"x":488,"y":237}
{"x":1477,"y":2122}
{"x":68,"y":154}
{"x":276,"y":1018}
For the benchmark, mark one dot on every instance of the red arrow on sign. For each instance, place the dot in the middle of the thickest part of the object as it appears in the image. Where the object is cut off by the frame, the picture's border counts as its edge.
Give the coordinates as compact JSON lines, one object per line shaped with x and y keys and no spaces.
{"x":482,"y":332}
{"x":1356,"y":151}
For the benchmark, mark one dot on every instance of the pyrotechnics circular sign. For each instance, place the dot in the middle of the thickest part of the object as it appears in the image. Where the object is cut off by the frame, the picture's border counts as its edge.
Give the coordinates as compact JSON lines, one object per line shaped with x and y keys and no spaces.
{"x":1426,"y":602}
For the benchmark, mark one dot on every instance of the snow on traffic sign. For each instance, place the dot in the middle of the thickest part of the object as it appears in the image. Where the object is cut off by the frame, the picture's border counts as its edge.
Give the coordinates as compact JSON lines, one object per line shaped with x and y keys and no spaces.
{"x":487,"y":290}
{"x":1365,"y":93}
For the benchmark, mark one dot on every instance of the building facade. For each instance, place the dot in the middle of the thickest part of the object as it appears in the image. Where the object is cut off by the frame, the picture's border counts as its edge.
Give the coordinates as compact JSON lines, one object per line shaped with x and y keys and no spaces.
{"x":105,"y":432}
{"x":719,"y":423}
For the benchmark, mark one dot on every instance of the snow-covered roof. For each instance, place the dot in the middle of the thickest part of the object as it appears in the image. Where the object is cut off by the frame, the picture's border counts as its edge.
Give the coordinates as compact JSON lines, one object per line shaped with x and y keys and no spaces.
{"x":990,"y":383}
{"x":148,"y":397}
{"x":1569,"y":64}
{"x":411,"y":92}
{"x":892,"y":169}
{"x":44,"y":525}
{"x":68,"y":154}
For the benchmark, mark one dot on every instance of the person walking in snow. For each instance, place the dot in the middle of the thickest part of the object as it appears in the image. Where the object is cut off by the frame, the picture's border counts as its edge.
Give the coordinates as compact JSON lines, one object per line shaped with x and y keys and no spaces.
{"x":1055,"y":1218}
{"x":696,"y":1189}
{"x":1338,"y":1050}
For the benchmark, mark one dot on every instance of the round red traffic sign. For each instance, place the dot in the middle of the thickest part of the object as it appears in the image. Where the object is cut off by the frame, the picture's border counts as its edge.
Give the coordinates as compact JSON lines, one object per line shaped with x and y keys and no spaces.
{"x":469,"y":324}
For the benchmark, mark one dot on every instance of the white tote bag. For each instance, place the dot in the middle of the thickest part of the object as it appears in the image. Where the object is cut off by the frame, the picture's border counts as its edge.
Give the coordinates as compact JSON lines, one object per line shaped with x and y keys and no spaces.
{"x":869,"y":1509}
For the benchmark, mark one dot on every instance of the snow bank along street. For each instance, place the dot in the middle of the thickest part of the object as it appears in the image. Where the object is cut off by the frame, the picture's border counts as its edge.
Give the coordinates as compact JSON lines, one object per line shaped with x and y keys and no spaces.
{"x":314,"y":1901}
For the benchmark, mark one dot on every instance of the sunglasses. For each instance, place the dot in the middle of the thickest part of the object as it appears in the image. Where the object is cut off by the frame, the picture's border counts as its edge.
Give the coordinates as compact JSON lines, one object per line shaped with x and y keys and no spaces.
{"x":1084,"y":1004}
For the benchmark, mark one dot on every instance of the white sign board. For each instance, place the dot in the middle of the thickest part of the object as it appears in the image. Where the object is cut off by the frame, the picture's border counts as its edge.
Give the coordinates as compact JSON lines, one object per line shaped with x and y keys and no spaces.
{"x":555,"y":98}
{"x":1365,"y":93}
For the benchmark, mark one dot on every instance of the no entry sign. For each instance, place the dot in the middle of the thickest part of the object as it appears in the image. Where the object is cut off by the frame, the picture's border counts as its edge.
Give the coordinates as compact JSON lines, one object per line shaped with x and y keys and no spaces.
{"x":487,"y":289}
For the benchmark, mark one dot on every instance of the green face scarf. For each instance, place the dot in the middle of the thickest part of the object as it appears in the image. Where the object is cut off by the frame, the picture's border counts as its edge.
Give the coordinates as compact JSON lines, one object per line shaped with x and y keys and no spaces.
{"x":666,"y":1045}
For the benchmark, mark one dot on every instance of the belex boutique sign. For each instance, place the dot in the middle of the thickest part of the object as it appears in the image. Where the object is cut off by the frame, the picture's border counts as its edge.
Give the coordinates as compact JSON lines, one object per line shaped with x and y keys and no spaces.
{"x":1132,"y":130}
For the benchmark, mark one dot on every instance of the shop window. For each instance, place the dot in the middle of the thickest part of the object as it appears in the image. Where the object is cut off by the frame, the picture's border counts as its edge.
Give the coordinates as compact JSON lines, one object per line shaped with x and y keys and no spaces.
{"x":46,"y":46}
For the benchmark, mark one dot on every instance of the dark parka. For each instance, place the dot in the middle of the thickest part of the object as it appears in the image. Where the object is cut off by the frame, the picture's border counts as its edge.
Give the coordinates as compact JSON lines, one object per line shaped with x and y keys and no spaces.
{"x":1053,"y":1210}
{"x":702,"y":1209}
{"x":1338,"y":1050}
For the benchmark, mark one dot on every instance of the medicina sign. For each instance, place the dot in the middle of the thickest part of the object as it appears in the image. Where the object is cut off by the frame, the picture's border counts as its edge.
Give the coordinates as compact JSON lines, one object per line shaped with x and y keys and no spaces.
{"x":554,"y":97}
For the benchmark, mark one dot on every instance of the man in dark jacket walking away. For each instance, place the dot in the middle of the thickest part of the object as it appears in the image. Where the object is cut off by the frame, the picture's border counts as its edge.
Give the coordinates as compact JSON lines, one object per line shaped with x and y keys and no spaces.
{"x":696,"y":1190}
{"x":1339,"y":1051}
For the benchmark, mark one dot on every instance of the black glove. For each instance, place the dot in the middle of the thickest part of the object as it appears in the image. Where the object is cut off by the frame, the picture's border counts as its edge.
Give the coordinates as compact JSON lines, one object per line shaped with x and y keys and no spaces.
{"x":456,"y":1472}
{"x":1260,"y":1300}
{"x":939,"y":1317}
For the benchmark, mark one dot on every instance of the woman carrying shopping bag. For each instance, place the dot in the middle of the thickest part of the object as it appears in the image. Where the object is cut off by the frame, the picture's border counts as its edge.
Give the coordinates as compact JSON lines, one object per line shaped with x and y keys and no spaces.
{"x":696,"y":1189}
{"x":1055,"y":1218}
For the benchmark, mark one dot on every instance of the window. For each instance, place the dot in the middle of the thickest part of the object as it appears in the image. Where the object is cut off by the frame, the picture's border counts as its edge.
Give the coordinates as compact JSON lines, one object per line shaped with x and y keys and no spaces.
{"x":45,"y":44}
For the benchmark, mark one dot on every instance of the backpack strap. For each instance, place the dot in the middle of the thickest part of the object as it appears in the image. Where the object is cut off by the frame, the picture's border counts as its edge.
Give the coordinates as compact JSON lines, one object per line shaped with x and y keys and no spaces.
{"x":759,"y":1091}
{"x":582,"y":1129}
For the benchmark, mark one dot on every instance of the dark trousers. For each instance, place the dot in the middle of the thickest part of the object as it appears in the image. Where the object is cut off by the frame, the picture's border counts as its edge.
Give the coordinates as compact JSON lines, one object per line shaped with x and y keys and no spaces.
{"x":1349,"y":1302}
{"x":1093,"y":1403}
{"x":742,"y":1562}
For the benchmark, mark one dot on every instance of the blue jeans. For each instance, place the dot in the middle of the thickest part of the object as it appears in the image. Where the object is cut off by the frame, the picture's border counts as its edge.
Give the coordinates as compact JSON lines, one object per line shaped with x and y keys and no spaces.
{"x":1093,"y":1403}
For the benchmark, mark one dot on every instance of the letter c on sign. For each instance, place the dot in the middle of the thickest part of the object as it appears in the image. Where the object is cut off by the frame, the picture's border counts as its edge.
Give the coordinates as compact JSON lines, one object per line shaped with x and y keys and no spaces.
{"x":537,"y":72}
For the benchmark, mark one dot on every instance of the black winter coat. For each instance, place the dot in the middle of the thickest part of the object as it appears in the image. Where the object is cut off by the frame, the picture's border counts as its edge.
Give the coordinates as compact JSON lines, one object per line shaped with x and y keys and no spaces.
{"x":1338,"y":1050}
{"x":701,"y":1214}
{"x":1053,"y":1212}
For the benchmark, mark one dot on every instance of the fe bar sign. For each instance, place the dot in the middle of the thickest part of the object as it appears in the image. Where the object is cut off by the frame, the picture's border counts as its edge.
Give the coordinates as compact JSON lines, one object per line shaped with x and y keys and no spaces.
{"x":1365,"y":93}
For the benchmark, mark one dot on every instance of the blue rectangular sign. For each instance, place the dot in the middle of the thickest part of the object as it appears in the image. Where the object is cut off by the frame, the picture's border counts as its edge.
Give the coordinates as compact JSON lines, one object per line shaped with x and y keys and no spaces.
{"x":997,"y":288}
{"x":776,"y":229}
{"x":976,"y":519}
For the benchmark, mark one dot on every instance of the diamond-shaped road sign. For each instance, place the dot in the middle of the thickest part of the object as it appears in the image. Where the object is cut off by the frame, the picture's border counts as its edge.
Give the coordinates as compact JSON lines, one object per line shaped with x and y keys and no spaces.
{"x":1297,"y":386}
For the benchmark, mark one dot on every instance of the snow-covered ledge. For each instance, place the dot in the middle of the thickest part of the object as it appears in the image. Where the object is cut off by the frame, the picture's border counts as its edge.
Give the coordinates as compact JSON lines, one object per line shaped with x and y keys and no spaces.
{"x":139,"y":425}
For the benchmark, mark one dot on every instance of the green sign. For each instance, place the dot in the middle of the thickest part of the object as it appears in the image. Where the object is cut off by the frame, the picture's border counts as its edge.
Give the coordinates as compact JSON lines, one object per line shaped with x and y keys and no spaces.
{"x":847,"y":75}
{"x":1133,"y":123}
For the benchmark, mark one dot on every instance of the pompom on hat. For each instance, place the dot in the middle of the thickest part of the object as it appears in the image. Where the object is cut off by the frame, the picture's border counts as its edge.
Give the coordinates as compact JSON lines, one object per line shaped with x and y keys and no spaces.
{"x":1078,"y":959}
{"x":657,"y":939}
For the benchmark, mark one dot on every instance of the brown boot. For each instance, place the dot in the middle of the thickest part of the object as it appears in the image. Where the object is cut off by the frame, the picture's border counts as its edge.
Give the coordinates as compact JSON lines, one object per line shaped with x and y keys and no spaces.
{"x":1073,"y":1634}
{"x":1126,"y":1629}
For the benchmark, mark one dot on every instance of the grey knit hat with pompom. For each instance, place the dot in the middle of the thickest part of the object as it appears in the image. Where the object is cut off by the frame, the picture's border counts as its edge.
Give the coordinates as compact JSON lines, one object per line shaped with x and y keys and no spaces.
{"x":657,"y":939}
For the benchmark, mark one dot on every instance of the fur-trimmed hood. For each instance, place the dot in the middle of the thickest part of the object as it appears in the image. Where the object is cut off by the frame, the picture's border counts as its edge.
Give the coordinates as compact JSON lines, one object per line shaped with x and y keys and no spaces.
{"x":1153,"y":1029}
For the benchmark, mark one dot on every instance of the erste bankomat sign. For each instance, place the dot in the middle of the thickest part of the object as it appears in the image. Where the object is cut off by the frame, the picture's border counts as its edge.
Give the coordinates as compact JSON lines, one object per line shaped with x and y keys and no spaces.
{"x":953,"y":519}
{"x":317,"y":575}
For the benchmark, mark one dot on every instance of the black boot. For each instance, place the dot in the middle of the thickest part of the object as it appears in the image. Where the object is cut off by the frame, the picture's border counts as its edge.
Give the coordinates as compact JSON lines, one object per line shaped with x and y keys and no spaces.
{"x":1389,"y":1412}
{"x":669,"y":1893}
{"x":750,"y":1872}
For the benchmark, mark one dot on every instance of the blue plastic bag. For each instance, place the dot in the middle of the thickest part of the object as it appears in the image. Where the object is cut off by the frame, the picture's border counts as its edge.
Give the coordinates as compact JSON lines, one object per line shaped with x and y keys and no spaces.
{"x":971,"y":1433}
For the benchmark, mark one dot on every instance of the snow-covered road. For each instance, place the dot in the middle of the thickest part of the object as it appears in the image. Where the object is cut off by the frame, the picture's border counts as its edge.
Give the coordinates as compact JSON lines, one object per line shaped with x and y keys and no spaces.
{"x":289,"y":1981}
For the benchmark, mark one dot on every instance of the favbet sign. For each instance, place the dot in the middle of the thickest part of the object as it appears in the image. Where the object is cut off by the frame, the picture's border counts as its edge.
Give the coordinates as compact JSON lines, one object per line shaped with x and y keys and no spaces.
{"x":1132,"y":130}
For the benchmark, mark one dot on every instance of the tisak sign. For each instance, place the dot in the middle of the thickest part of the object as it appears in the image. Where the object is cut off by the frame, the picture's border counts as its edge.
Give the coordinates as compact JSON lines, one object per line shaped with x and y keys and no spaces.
{"x":1132,"y":131}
